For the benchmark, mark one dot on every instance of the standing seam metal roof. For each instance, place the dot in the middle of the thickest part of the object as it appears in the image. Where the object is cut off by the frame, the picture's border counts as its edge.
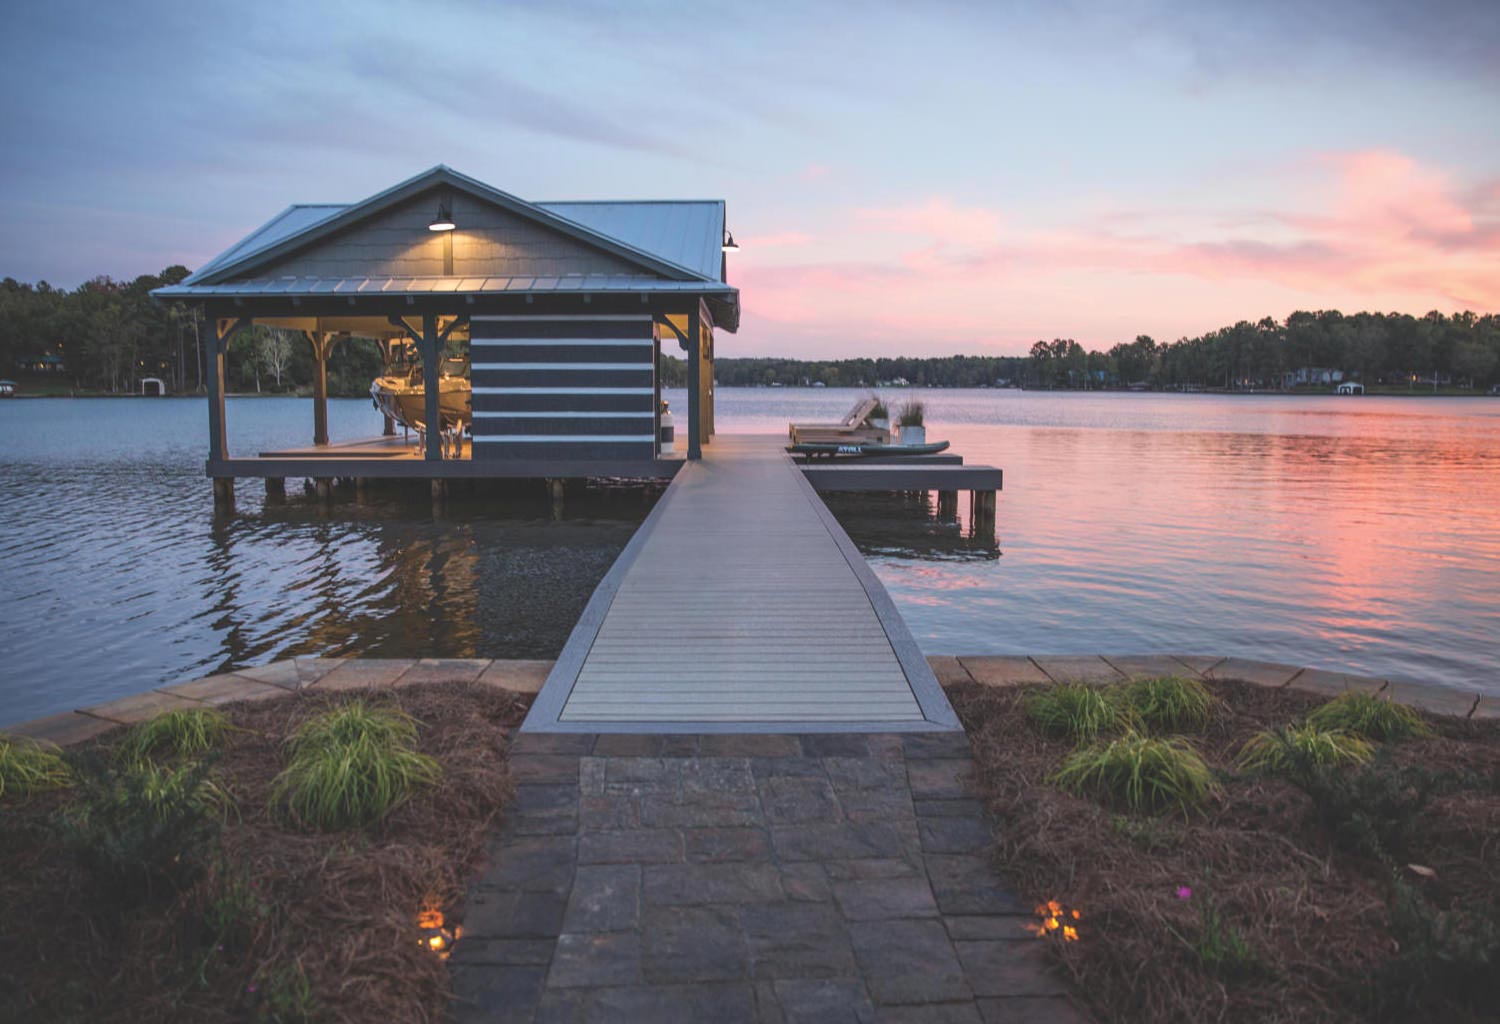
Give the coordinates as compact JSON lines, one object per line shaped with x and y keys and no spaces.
{"x":688,"y":232}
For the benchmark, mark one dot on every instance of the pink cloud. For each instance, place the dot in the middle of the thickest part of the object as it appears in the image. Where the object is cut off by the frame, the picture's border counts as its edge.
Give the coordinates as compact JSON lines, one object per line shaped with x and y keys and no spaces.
{"x":1369,"y":229}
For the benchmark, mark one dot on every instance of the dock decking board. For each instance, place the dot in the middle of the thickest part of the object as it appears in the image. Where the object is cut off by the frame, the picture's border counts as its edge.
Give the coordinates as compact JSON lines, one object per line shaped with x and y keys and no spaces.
{"x":740,"y":605}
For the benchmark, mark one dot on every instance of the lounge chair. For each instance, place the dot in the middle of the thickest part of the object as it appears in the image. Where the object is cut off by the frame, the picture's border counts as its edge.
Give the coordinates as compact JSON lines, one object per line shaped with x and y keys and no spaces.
{"x":854,"y":427}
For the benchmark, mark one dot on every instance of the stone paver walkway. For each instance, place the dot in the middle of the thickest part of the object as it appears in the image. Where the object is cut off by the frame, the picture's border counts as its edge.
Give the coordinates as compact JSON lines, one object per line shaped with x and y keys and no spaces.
{"x":765,"y":878}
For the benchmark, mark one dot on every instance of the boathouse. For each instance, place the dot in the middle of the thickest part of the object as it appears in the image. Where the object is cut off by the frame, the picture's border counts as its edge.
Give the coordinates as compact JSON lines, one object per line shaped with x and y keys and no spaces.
{"x":564,"y":307}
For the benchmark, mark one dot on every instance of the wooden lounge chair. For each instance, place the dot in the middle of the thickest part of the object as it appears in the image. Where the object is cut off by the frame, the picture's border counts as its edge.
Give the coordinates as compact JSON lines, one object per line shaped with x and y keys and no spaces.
{"x":854,"y":427}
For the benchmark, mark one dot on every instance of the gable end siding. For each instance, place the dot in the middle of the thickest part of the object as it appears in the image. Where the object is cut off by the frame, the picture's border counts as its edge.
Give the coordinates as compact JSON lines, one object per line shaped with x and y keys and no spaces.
{"x":489,"y":242}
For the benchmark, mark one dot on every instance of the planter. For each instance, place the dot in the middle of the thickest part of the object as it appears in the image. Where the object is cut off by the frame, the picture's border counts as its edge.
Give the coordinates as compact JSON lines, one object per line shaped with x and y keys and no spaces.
{"x":914,"y":435}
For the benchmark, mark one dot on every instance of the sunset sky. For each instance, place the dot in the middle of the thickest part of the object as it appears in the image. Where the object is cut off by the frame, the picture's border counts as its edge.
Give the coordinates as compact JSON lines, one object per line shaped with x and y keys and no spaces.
{"x":909,"y":179}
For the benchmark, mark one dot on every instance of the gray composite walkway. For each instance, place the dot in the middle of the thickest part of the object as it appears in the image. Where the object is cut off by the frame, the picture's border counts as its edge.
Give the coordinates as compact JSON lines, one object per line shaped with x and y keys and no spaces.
{"x":741,"y":604}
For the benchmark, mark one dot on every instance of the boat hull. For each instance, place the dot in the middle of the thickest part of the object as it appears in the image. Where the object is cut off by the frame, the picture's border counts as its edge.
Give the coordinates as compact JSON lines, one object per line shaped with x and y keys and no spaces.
{"x":406,"y":403}
{"x":865,"y":451}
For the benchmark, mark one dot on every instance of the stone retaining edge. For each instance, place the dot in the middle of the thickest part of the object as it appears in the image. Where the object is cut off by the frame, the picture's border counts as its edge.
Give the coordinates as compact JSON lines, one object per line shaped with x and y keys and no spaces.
{"x":526,"y":676}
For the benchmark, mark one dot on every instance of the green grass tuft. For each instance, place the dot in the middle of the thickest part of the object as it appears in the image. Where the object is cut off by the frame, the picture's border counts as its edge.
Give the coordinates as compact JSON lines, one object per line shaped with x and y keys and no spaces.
{"x":1370,"y":716}
{"x":173,"y":734}
{"x":27,"y":767}
{"x":1170,"y":703}
{"x":1141,"y":773}
{"x":351,"y":766}
{"x":1076,"y":711}
{"x":1293,"y":748}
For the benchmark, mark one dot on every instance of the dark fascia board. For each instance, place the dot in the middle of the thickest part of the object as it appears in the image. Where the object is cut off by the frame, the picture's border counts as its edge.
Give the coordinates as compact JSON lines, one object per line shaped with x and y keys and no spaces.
{"x":442,"y":175}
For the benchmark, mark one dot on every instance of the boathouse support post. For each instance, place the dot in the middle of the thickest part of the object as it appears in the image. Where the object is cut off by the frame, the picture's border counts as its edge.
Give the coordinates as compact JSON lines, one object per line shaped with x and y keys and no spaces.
{"x":385,"y":371}
{"x":321,"y":343}
{"x":275,"y":490}
{"x":223,"y":332}
{"x":695,"y":382}
{"x":431,"y":381}
{"x":947,"y":504}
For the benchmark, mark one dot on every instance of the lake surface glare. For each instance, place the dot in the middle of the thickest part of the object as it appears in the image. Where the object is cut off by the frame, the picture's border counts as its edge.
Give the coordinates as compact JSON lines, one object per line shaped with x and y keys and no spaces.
{"x":1360,"y":534}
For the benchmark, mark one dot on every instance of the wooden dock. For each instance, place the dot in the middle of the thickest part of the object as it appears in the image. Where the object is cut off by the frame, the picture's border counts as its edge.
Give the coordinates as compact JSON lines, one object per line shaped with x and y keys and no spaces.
{"x":741,"y":606}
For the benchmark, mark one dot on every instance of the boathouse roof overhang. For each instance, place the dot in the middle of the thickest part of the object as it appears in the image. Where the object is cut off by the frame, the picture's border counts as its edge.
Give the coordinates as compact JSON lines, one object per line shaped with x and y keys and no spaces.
{"x":362,"y":263}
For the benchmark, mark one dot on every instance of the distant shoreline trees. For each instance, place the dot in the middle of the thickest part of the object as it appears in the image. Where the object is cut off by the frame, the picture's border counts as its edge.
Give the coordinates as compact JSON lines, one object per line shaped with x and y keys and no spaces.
{"x":105,"y":335}
{"x":1307,"y":350}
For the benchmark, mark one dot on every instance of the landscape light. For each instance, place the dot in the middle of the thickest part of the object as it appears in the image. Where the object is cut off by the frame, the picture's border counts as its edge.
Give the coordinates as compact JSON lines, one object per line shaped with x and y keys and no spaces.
{"x":444,"y":219}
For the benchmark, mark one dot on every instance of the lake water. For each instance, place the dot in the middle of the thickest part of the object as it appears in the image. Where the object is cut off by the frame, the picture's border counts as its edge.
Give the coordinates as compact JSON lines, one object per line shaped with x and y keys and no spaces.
{"x":1361,"y":534}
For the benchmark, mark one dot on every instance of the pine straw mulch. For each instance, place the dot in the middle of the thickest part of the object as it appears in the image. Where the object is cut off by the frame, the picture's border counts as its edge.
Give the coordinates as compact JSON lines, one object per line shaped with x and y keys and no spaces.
{"x":1315,"y":917}
{"x":331,"y":931}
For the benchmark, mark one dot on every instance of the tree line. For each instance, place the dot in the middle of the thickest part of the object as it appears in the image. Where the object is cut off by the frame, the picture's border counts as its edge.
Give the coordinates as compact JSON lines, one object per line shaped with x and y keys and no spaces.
{"x":1305,"y":350}
{"x":106,"y":335}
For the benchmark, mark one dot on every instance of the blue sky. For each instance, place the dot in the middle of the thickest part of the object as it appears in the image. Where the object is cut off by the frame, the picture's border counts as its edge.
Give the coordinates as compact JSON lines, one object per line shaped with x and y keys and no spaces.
{"x":905,"y":178}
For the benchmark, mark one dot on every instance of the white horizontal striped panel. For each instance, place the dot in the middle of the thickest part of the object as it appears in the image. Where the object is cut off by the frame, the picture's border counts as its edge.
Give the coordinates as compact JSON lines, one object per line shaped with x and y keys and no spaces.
{"x":633,"y":367}
{"x":564,"y":391}
{"x":563,"y":342}
{"x":489,"y":414}
{"x":611,"y":438}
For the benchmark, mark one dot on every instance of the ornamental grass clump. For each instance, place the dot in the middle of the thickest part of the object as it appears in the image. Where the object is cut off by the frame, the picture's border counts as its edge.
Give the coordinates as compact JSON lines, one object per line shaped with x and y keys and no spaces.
{"x":1169,"y":703}
{"x":1076,"y":711}
{"x":1140,"y":773}
{"x":1292,"y":749}
{"x":174,"y":734}
{"x":351,"y":766}
{"x":1371,"y":717}
{"x":27,"y":767}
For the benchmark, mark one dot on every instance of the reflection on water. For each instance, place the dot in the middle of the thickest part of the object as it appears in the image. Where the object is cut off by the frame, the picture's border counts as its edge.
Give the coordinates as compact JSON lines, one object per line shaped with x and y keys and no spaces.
{"x":913,"y":525}
{"x":1358,"y":533}
{"x":1348,"y":533}
{"x":117,"y":576}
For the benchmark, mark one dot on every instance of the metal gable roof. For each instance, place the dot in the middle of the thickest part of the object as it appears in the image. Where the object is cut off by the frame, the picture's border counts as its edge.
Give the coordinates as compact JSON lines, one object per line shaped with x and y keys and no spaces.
{"x":687,"y":232}
{"x":248,"y":259}
{"x":288,"y":222}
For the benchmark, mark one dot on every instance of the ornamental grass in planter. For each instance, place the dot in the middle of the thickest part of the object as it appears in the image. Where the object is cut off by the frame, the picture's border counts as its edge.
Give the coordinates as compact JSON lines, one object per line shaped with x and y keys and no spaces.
{"x":912,"y":417}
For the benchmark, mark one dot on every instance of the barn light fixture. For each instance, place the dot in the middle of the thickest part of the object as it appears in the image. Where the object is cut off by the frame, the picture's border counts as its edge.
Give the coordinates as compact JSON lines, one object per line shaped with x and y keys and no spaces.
{"x":444,"y":219}
{"x":730,"y":245}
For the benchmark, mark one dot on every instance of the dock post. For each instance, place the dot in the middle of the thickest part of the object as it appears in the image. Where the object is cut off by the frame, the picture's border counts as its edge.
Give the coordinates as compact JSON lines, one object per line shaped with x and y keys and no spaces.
{"x":360,"y":490}
{"x":982,"y":511}
{"x":275,"y":490}
{"x":323,"y":487}
{"x":556,"y":491}
{"x":224,"y":494}
{"x":439,"y":490}
{"x":947,"y":504}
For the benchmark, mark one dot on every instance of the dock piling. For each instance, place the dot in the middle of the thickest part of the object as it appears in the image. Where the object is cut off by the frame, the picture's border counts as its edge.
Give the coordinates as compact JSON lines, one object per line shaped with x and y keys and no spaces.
{"x":323,"y":487}
{"x":224,"y":493}
{"x":275,"y":489}
{"x":947,"y":504}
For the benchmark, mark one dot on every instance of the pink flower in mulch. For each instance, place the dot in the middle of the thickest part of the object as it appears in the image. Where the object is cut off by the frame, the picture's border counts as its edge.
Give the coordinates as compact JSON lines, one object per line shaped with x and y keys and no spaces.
{"x":250,"y":987}
{"x":1184,"y":892}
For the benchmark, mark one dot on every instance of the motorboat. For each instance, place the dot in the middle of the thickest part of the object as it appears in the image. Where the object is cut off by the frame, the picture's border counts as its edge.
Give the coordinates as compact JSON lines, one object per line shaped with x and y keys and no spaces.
{"x":858,"y":450}
{"x":403,"y":397}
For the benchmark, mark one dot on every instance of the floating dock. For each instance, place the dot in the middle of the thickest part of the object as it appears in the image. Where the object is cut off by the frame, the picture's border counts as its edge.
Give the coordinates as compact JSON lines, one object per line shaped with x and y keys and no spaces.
{"x":741,"y":605}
